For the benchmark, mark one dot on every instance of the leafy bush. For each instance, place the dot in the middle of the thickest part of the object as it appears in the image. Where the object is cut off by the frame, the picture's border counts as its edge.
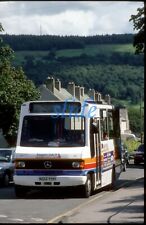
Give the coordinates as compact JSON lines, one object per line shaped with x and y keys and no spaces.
{"x":131,"y":145}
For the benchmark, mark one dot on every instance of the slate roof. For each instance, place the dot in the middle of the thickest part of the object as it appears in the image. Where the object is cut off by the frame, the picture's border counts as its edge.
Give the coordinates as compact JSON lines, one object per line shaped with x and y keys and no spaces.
{"x":46,"y":94}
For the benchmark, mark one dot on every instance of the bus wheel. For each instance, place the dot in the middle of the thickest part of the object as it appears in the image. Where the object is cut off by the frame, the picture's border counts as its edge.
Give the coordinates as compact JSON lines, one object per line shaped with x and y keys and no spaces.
{"x":6,"y":180}
{"x":20,"y":191}
{"x":87,"y":189}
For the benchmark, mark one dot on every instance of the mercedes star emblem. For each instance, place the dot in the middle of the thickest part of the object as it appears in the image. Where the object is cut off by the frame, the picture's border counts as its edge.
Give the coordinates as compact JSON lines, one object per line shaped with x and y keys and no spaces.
{"x":47,"y":164}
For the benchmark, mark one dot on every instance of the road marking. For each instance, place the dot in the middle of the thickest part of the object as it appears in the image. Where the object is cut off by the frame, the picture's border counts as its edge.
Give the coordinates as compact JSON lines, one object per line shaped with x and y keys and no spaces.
{"x":76,"y":208}
{"x":37,"y":219}
{"x":15,"y":219}
{"x":3,"y":216}
{"x":139,"y":178}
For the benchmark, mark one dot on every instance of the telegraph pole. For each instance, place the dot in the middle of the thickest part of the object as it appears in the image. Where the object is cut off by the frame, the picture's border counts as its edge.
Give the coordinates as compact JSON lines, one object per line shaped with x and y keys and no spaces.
{"x":141,"y":137}
{"x":140,"y":121}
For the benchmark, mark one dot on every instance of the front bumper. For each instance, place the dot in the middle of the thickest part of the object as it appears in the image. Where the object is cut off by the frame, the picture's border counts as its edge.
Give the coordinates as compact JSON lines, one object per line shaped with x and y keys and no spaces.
{"x":51,"y":181}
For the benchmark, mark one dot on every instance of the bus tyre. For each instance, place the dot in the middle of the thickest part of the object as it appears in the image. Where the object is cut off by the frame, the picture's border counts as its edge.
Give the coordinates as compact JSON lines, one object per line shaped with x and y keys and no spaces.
{"x":87,"y":189}
{"x":6,"y":180}
{"x":20,"y":191}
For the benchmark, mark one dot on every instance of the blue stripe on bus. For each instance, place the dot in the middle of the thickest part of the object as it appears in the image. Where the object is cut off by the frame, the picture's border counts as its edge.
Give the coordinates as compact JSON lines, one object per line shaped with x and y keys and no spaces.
{"x":52,"y":172}
{"x":39,"y":172}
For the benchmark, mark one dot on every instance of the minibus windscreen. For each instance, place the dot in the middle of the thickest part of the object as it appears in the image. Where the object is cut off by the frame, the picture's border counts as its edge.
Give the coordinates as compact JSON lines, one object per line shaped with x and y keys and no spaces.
{"x":49,"y":131}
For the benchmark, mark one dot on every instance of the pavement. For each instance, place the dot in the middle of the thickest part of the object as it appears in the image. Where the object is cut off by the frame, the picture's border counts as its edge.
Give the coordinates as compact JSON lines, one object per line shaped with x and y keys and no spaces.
{"x":124,"y":205}
{"x":119,"y":207}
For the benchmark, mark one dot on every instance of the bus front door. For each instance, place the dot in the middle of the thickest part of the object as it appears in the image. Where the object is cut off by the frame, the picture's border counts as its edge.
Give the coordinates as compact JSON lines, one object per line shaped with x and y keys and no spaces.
{"x":98,"y":158}
{"x":96,"y":147}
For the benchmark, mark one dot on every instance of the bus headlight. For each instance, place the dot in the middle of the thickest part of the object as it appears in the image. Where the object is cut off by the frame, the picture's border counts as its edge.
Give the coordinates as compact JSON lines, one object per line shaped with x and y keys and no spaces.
{"x":20,"y":164}
{"x":78,"y":164}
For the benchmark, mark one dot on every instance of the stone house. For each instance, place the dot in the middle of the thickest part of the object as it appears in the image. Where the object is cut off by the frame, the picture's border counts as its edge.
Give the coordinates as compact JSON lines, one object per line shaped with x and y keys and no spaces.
{"x":53,"y":90}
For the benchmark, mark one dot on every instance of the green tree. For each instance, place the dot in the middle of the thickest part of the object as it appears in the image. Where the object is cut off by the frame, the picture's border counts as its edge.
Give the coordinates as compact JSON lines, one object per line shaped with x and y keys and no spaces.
{"x":139,"y":25}
{"x":131,"y":145}
{"x":15,"y":89}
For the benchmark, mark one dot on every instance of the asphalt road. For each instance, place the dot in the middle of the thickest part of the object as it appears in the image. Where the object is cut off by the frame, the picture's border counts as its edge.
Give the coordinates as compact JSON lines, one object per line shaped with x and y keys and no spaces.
{"x":67,"y":206}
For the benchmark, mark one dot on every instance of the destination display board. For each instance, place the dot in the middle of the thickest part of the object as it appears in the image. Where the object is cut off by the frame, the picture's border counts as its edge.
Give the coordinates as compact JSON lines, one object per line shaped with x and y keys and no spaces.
{"x":55,"y":107}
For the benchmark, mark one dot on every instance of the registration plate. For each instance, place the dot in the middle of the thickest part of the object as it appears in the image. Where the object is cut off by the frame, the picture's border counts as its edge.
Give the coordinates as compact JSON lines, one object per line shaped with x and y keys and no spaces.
{"x":47,"y":178}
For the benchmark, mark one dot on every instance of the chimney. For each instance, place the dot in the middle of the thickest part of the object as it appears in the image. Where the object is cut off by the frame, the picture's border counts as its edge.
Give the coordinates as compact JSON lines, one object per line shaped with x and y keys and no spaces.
{"x":78,"y":92}
{"x":98,"y":97}
{"x":82,"y":91}
{"x":91,"y":94}
{"x":50,"y":83}
{"x":108,"y":99}
{"x":58,"y":84}
{"x":71,"y":88}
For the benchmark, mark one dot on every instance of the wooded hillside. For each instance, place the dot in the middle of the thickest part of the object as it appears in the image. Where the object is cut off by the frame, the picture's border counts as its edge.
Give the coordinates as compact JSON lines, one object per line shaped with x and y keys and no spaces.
{"x":104,"y":62}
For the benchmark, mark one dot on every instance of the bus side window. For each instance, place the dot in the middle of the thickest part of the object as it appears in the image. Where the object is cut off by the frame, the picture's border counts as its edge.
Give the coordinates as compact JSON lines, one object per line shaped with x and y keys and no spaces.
{"x":94,"y":125}
{"x":94,"y":129}
{"x":104,"y":130}
{"x":92,"y":148}
{"x":105,"y":136}
{"x":110,"y":124}
{"x":107,"y":127}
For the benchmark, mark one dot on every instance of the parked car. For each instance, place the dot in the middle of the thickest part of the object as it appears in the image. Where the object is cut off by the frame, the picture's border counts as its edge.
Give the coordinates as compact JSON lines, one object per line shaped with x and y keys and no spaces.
{"x":139,"y":155}
{"x":6,"y":165}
